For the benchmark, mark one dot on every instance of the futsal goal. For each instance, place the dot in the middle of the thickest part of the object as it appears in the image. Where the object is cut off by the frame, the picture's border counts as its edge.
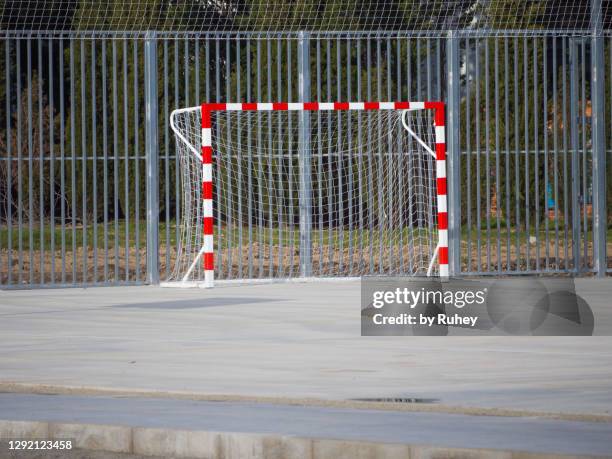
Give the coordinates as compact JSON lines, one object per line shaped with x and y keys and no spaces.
{"x":287,"y":190}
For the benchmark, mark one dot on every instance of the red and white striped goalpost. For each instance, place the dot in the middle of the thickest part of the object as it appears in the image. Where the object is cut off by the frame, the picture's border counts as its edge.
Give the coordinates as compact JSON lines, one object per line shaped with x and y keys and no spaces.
{"x":207,"y":153}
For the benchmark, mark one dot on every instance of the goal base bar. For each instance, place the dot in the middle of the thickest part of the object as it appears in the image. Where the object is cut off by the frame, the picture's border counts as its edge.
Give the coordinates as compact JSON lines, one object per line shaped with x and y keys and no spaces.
{"x":256,"y":281}
{"x":287,"y":280}
{"x":186,"y":284}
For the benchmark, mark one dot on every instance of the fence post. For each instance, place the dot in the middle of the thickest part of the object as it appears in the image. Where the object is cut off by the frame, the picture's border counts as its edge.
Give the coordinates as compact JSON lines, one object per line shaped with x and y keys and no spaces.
{"x":305,"y":158}
{"x":453,"y":154}
{"x":599,"y":147}
{"x":152,"y":153}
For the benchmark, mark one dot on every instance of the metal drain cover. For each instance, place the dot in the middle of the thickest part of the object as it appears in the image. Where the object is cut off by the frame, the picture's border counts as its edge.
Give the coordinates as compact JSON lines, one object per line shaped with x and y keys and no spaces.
{"x":397,"y":400}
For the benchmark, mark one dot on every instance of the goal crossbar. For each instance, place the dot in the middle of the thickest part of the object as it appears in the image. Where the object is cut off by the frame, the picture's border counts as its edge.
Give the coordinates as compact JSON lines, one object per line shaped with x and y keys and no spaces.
{"x":206,"y":252}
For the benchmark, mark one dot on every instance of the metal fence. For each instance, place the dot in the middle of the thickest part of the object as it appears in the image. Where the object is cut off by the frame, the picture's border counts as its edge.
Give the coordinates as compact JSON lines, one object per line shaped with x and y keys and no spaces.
{"x":533,"y":171}
{"x":88,"y":174}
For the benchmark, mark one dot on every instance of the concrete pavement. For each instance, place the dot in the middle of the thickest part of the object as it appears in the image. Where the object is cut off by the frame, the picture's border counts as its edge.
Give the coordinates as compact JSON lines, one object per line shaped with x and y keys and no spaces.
{"x":288,"y":340}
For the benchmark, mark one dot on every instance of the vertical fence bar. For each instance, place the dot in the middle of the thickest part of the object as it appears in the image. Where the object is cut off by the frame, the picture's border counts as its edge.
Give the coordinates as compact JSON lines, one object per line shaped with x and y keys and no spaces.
{"x":526,"y":155}
{"x":517,"y":160}
{"x":556,"y":152}
{"x":478,"y":115}
{"x":454,"y":153}
{"x":83,"y":109}
{"x":498,"y":202}
{"x":400,"y":162}
{"x":73,"y":159}
{"x":389,"y":197}
{"x":19,"y":165}
{"x":340,"y":208}
{"x":249,"y":161}
{"x":270,"y":159}
{"x":9,"y":164}
{"x":51,"y":196}
{"x":330,"y":241}
{"x":115,"y":178}
{"x":197,"y":71}
{"x":487,"y":152}
{"x":610,"y":124}
{"x":137,"y":157}
{"x":350,"y":159}
{"x":126,"y":161}
{"x":418,"y":70}
{"x":564,"y":44}
{"x":536,"y":156}
{"x":105,"y":156}
{"x":225,"y":237}
{"x":260,"y":223}
{"x":400,"y":181}
{"x":238,"y":160}
{"x":360,"y":167}
{"x":30,"y":127}
{"x":151,"y":161}
{"x":507,"y":150}
{"x":599,"y":147}
{"x":428,"y":65}
{"x":380,"y":191}
{"x":305,"y":158}
{"x":583,"y":155}
{"x":575,"y":164}
{"x":409,"y":178}
{"x":319,"y":160}
{"x":281,"y":162}
{"x":41,"y":167}
{"x":545,"y":167}
{"x":468,"y":150}
{"x":177,"y":103}
{"x":94,"y":162}
{"x":291,"y":229}
{"x":166,"y":96}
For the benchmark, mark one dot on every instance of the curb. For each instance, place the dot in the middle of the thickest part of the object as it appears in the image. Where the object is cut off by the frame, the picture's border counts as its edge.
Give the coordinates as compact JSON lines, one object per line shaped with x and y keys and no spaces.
{"x":14,"y":387}
{"x":234,"y":445}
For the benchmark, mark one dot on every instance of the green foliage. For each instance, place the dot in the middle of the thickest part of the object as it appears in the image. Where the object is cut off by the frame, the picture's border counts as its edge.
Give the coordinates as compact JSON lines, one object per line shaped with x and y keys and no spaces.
{"x":515,"y":14}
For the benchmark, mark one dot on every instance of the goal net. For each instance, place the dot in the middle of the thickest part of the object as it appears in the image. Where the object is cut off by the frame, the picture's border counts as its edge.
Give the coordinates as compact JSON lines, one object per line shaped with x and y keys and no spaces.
{"x":310,"y":190}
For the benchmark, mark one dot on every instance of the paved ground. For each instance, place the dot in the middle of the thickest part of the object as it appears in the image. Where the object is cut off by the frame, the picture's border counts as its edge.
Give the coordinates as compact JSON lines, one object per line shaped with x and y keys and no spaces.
{"x":439,"y":429}
{"x":288,"y":340}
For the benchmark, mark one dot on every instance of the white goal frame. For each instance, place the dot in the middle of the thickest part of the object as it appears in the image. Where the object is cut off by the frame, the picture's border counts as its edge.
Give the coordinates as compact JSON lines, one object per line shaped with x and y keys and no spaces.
{"x":206,"y":252}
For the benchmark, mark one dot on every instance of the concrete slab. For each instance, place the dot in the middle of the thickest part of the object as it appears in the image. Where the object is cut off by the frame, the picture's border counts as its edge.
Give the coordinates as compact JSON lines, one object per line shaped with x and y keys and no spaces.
{"x":299,"y":340}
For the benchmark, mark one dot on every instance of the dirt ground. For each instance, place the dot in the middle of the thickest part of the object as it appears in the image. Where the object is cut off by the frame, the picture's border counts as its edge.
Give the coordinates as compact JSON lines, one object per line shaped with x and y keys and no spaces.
{"x":263,"y":260}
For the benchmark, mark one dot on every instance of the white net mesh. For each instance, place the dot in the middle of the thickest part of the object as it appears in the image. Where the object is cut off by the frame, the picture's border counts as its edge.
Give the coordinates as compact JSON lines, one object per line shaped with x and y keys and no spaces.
{"x":434,"y":16}
{"x":370,"y":204}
